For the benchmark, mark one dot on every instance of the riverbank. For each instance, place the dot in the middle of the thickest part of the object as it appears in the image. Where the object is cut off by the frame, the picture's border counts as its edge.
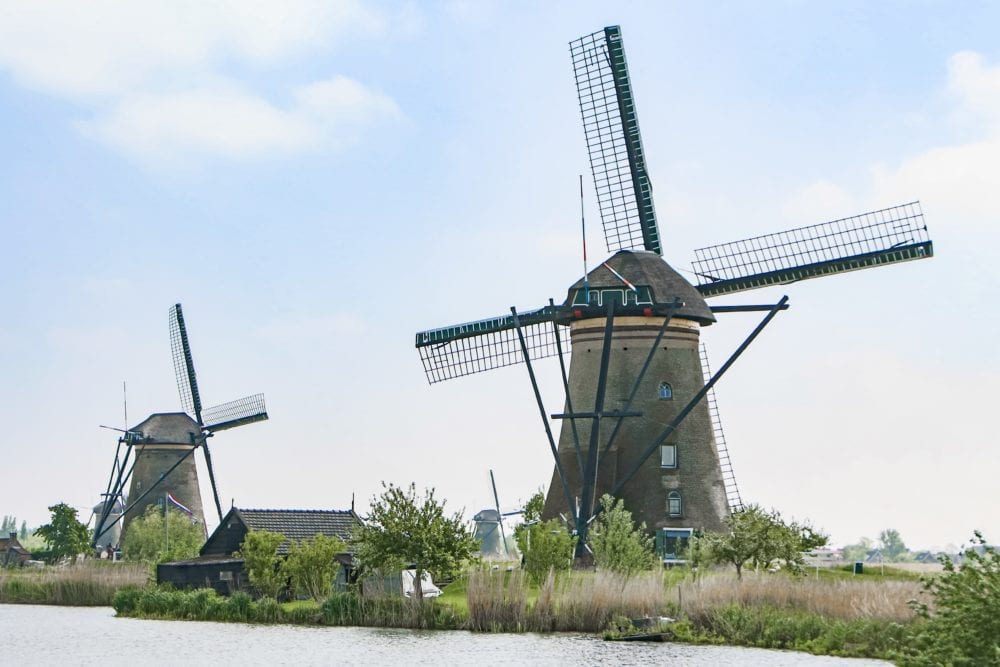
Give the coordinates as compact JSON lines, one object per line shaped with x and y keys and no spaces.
{"x":833,"y":616}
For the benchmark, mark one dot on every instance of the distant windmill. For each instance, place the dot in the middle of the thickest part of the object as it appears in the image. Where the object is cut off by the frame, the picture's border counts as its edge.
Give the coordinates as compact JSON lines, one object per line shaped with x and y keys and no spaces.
{"x":163,"y":467}
{"x":489,"y":529}
{"x":637,"y":398}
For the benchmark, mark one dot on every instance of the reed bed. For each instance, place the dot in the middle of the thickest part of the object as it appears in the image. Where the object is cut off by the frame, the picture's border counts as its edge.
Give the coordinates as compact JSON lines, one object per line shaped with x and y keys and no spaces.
{"x":86,"y":584}
{"x":579,"y":602}
{"x":834,"y":599}
{"x":497,"y":600}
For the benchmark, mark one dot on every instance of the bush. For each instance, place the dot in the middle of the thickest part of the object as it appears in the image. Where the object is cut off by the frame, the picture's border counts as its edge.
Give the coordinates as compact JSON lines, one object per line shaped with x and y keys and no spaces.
{"x":546,"y":546}
{"x":963,"y":626}
{"x":620,"y":546}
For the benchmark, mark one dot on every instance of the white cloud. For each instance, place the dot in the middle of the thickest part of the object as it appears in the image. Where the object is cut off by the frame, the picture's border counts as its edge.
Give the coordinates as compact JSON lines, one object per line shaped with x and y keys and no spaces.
{"x":232,"y":123}
{"x":955,"y":181}
{"x":69,"y":48}
{"x":156,"y":77}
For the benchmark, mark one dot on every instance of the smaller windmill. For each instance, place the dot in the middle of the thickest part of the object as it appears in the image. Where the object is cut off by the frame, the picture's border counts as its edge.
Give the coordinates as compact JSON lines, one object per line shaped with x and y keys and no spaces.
{"x":489,"y":530}
{"x":158,"y":461}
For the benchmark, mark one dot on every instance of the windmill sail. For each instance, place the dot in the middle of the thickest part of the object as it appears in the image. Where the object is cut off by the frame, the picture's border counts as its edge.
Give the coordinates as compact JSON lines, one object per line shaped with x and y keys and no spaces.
{"x":474,"y":347}
{"x":611,"y":126}
{"x":187,"y":382}
{"x":876,"y":238}
{"x":242,"y":411}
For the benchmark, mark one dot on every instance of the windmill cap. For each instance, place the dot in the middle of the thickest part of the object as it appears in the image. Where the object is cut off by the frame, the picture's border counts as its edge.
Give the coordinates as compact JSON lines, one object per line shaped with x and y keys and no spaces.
{"x":643,"y":268}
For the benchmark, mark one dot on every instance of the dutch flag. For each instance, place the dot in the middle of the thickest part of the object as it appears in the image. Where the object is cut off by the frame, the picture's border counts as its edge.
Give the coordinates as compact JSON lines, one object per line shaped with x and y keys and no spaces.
{"x":176,"y":503}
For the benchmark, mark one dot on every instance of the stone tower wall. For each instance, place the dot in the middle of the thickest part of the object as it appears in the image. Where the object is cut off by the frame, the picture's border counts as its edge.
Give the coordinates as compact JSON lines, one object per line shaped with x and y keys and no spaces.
{"x":697,"y":477}
{"x":172,"y":435}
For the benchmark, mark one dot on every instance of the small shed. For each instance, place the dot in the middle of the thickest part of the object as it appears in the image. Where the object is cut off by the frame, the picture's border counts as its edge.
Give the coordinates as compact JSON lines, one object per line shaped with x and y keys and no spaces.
{"x":218,"y":567}
{"x":11,"y":551}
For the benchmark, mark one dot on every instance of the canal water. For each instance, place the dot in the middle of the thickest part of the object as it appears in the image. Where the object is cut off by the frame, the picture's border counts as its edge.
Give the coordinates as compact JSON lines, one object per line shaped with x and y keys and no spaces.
{"x":41,"y":635}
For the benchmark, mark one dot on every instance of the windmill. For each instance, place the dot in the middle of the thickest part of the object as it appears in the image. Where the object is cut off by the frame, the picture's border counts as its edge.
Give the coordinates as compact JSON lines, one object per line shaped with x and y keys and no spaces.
{"x":158,"y":460}
{"x":489,"y":529}
{"x":638,"y":418}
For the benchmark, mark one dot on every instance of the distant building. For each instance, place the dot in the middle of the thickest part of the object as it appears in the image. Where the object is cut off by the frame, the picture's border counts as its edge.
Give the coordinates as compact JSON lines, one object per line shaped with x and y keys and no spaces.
{"x":218,"y":567}
{"x":11,"y":551}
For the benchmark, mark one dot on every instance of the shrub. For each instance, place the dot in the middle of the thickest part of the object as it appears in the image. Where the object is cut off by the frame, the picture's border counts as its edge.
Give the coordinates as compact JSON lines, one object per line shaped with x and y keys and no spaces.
{"x":620,"y":546}
{"x":546,"y":546}
{"x":963,"y":627}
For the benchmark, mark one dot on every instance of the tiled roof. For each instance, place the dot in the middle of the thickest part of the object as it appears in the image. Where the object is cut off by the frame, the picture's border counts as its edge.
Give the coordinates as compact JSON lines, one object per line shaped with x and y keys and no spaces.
{"x":299,"y":525}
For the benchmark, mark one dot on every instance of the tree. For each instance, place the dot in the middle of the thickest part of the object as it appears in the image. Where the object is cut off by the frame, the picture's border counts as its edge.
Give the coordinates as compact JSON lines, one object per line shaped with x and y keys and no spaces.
{"x":64,"y":533}
{"x":857,"y":552}
{"x":761,"y":538}
{"x":534,"y":507}
{"x":24,"y":531}
{"x":892,"y":546}
{"x":403,"y":530}
{"x":259,"y":552}
{"x":545,"y":546}
{"x":963,"y":624}
{"x":158,"y":537}
{"x":312,"y":565}
{"x":618,"y":545}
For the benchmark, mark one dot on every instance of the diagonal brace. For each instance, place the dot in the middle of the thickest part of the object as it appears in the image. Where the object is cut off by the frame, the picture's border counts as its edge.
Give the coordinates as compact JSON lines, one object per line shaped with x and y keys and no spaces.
{"x":672,"y":426}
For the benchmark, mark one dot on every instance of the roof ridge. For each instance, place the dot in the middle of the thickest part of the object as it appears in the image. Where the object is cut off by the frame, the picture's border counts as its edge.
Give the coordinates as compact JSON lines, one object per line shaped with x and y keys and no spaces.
{"x":247,"y":509}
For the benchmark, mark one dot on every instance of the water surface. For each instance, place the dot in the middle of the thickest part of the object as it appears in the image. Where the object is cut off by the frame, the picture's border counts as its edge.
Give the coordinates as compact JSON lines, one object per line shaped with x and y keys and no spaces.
{"x":42,"y":635}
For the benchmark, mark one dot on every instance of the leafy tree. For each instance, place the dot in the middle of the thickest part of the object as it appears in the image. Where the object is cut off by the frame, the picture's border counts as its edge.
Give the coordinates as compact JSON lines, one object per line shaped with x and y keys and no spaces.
{"x":403,"y":530}
{"x":64,"y":533}
{"x":892,"y":546}
{"x":545,"y":546}
{"x":618,"y":545}
{"x":8,"y":525}
{"x":761,"y":538}
{"x":259,"y":552}
{"x":312,"y":565}
{"x":534,"y":507}
{"x":158,"y":537}
{"x":963,"y":624}
{"x":24,"y":531}
{"x":857,"y":552}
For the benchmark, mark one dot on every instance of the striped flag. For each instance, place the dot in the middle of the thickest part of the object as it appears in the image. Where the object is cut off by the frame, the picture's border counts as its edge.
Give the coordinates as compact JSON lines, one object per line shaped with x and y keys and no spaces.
{"x":176,"y":503}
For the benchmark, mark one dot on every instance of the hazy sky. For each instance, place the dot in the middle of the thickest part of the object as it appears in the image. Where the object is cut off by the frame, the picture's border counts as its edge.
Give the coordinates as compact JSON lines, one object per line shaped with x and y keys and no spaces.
{"x":317,"y":181}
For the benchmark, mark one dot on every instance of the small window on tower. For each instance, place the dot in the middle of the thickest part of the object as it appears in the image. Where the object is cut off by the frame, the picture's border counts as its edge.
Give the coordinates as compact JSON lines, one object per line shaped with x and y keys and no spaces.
{"x":666,"y":391}
{"x":674,"y":503}
{"x":668,"y":456}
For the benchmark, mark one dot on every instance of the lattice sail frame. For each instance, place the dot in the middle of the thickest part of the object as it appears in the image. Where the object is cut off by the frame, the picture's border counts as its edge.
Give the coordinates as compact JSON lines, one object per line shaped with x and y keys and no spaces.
{"x":246,"y":410}
{"x":187,"y":382}
{"x":611,"y":127}
{"x":484,"y":345}
{"x":884,"y":236}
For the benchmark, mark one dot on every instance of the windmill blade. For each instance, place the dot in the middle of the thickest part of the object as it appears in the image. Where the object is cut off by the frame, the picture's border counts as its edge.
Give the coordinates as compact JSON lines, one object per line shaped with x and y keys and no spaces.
{"x":885,"y":236}
{"x":474,"y":347}
{"x":611,"y":127}
{"x":246,"y":410}
{"x":733,"y":499}
{"x":187,"y":383}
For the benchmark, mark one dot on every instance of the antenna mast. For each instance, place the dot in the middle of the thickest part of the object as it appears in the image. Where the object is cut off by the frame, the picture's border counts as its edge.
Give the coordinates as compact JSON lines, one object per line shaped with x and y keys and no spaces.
{"x":583,"y":230}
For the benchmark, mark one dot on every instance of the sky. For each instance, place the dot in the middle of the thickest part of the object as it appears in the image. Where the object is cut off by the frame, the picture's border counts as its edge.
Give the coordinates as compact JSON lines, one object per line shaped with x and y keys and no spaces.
{"x":317,"y":181}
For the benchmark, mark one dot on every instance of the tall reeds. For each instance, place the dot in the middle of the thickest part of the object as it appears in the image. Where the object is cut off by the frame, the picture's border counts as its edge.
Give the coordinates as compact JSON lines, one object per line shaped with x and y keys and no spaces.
{"x":86,"y":584}
{"x":839,"y":599}
{"x":579,"y":602}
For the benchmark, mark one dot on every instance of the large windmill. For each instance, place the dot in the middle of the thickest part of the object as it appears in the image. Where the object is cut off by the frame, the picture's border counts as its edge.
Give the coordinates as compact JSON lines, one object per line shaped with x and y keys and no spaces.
{"x":158,"y":460}
{"x":638,"y":413}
